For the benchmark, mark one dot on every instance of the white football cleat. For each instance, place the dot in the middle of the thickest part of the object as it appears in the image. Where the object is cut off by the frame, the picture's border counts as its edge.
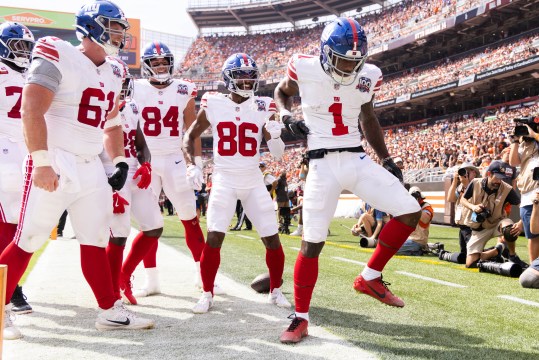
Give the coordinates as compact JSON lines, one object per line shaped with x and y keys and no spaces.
{"x":118,"y":317}
{"x":11,"y":332}
{"x":276,"y":297}
{"x":151,"y":287}
{"x":204,"y":304}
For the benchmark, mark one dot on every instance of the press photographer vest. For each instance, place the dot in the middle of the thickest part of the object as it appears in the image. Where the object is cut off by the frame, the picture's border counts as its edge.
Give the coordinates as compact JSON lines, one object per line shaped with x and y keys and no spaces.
{"x":465,"y":213}
{"x":421,"y":232}
{"x":494,"y":202}
{"x":525,"y":182}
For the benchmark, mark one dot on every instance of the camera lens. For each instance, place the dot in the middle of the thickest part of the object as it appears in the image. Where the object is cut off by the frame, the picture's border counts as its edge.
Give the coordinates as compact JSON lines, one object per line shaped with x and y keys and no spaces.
{"x":462,"y":172}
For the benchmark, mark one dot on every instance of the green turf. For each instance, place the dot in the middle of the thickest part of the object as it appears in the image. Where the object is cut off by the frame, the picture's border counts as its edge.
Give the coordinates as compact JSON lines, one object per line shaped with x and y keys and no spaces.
{"x":438,"y":321}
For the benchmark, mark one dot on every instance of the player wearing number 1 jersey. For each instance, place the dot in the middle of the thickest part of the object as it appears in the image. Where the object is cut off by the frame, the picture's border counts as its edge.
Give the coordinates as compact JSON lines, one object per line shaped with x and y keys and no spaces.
{"x":166,"y":106}
{"x":337,"y":91}
{"x":16,"y":44}
{"x":238,"y":121}
{"x":68,"y":114}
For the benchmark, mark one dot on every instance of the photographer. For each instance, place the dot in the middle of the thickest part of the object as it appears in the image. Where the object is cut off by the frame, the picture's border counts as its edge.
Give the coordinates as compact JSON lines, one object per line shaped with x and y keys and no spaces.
{"x":486,"y":199}
{"x":465,"y":174}
{"x":524,"y":152}
{"x":370,"y":223}
{"x":417,"y":242}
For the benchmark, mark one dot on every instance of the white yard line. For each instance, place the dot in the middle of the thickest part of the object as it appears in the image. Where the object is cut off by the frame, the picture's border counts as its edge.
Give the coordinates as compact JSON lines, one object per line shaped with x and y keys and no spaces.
{"x":295,"y":248}
{"x":348,"y":260}
{"x":245,"y":236}
{"x":447,"y":283}
{"x":519,"y":300}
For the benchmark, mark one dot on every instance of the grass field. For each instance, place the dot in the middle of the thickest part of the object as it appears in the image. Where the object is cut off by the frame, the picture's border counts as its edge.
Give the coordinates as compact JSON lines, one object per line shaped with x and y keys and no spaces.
{"x":438,"y":321}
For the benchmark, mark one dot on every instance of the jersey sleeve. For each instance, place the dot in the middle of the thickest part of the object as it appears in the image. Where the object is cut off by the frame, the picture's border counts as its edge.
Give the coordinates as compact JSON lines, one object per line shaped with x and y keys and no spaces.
{"x":48,"y":48}
{"x":377,"y":79}
{"x":204,"y":100}
{"x":192,"y":89}
{"x":292,"y":65}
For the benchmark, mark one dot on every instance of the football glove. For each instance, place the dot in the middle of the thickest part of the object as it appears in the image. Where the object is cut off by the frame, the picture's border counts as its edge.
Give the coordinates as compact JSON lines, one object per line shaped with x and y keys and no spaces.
{"x":145,"y":173}
{"x":390,"y":166}
{"x":194,"y":177}
{"x":274,"y":129}
{"x":118,"y":203}
{"x":296,"y":127}
{"x":119,"y":176}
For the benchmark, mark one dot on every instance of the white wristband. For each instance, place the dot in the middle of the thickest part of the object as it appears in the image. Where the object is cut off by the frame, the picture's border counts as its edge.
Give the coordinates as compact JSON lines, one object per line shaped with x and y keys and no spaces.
{"x":198,"y":162}
{"x":118,"y":159}
{"x":116,"y":121}
{"x":283,"y":113}
{"x":40,"y":158}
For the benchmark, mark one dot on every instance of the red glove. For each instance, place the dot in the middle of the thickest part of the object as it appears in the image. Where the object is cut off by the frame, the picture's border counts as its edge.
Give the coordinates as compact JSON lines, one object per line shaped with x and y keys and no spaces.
{"x":118,"y":203}
{"x":145,"y":173}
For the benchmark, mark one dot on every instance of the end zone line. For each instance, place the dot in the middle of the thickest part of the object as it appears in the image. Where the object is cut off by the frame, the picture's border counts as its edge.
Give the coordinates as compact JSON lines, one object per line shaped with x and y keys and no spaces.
{"x":447,"y":283}
{"x":519,"y":300}
{"x":348,"y":260}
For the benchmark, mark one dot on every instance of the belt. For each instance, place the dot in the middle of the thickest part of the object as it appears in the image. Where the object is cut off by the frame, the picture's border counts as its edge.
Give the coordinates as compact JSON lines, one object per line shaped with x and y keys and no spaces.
{"x":320,"y":153}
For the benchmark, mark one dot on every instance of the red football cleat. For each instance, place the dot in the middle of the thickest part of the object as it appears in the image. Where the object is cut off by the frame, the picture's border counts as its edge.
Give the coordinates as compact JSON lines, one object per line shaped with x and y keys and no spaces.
{"x":377,"y":288}
{"x":296,"y":331}
{"x":127,"y":290}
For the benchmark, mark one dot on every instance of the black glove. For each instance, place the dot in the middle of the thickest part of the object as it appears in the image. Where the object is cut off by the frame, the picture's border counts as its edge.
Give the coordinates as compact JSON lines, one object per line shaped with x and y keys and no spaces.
{"x":119,"y":176}
{"x":296,"y":128}
{"x":390,"y":166}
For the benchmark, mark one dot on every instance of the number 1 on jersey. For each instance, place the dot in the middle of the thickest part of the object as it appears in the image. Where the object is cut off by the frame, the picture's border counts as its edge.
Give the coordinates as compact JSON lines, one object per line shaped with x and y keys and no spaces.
{"x":340,"y":128}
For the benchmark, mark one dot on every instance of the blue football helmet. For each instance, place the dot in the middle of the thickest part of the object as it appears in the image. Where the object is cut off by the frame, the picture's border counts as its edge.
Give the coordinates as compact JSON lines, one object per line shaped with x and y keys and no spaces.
{"x":238,"y":69}
{"x":157,"y":50}
{"x":94,"y":20}
{"x":16,"y":45}
{"x":343,"y":39}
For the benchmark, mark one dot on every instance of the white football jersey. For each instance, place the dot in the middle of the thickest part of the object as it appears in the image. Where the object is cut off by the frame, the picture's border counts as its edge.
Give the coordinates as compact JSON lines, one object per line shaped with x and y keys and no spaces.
{"x":331,"y":111}
{"x":129,"y":114}
{"x":11,"y":83}
{"x":86,"y":95}
{"x":237,"y":134}
{"x":161,"y":113}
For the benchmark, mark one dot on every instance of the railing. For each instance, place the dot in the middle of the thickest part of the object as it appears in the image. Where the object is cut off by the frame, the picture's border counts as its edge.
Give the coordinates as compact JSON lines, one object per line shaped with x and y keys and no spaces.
{"x":424,"y":175}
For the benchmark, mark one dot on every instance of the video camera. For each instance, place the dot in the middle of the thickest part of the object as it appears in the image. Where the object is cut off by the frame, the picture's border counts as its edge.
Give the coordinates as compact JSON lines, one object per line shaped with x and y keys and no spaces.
{"x":365,"y":242}
{"x":509,"y":269}
{"x":480,"y":216}
{"x":522,"y":130}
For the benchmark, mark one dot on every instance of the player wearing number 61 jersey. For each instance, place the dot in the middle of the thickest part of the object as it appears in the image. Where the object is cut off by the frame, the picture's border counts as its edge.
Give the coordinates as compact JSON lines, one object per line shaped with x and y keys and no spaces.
{"x":69,"y":108}
{"x":166,"y":106}
{"x":337,"y":91}
{"x":238,"y":121}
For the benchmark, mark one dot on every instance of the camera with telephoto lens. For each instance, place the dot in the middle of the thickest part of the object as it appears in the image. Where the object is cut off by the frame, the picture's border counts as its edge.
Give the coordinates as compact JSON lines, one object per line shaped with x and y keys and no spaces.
{"x":462,"y":172}
{"x":522,"y":130}
{"x":366,"y":242}
{"x":480,"y":216}
{"x":509,"y":269}
{"x":435,"y":248}
{"x":536,"y":173}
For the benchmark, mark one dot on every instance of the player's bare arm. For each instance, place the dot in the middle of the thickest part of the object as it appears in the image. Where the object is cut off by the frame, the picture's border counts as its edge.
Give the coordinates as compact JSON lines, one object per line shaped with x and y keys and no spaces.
{"x":189,"y":116}
{"x":193,"y":135}
{"x":284,"y":93}
{"x":372,"y":130}
{"x":113,"y":137}
{"x":143,"y":153}
{"x":36,"y":100}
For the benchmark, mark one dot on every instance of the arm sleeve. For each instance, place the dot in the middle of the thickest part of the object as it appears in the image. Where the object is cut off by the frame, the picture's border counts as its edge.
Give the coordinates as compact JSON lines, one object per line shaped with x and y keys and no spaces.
{"x":469,"y":191}
{"x":44,"y":73}
{"x":513,"y":198}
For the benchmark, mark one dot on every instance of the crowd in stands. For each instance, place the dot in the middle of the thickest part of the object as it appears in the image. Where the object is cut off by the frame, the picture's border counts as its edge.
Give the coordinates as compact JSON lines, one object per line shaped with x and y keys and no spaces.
{"x":272,"y":50}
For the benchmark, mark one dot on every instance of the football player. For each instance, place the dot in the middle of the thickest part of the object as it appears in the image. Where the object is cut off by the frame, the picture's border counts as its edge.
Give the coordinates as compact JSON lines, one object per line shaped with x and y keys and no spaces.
{"x":337,"y":91}
{"x":69,"y":111}
{"x":239,"y":120}
{"x":167,"y":107}
{"x":135,"y":198}
{"x":16,"y":44}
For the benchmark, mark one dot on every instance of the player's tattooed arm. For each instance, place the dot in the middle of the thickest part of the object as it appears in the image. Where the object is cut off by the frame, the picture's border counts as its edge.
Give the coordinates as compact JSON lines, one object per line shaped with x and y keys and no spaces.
{"x":143,"y":153}
{"x":284,"y":94}
{"x":372,"y":130}
{"x":193,"y":134}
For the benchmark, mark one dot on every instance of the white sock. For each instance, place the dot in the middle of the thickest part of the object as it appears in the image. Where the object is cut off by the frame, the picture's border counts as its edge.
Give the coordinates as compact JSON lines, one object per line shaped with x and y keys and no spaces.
{"x":303,"y":315}
{"x":370,"y":274}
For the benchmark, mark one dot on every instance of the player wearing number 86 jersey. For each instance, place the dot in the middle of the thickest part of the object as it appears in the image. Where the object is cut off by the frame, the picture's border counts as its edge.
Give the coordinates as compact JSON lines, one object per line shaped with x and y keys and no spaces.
{"x":238,"y":120}
{"x":337,"y":91}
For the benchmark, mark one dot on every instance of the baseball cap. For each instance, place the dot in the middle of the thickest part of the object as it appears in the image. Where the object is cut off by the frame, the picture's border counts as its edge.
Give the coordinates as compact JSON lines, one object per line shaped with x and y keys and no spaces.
{"x":469,"y":165}
{"x":500,"y":170}
{"x":262,"y":164}
{"x":415,"y":189}
{"x":398,"y":159}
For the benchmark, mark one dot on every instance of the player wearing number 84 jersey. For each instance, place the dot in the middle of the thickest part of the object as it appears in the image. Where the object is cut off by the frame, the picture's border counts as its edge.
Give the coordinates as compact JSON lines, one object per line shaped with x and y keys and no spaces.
{"x":166,"y":106}
{"x":337,"y":91}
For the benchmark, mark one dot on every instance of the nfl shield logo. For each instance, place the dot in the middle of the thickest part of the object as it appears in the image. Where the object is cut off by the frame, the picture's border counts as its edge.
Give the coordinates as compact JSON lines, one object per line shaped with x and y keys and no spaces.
{"x":336,"y":86}
{"x":6,"y":151}
{"x":160,"y":93}
{"x":237,"y":109}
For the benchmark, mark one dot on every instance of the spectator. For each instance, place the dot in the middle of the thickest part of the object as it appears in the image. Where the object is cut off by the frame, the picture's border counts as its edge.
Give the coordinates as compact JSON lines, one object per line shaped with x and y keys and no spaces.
{"x":418,"y":240}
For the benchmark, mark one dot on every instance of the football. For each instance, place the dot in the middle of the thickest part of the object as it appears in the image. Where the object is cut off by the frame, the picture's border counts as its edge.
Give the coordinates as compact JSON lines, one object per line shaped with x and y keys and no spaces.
{"x":261,"y":283}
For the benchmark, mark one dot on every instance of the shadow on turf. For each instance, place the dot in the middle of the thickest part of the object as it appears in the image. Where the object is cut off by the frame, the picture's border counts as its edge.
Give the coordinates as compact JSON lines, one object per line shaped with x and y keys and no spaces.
{"x":412,"y":341}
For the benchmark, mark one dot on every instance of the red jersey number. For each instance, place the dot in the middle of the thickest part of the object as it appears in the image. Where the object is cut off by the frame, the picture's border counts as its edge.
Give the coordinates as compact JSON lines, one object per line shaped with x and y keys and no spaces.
{"x":340,"y":128}
{"x":153,"y":122}
{"x":129,"y":143}
{"x":241,"y":145}
{"x":15,"y":111}
{"x":90,"y":110}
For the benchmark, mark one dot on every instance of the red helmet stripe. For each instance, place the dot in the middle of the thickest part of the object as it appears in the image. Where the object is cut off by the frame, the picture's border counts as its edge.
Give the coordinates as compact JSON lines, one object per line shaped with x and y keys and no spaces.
{"x":157,"y":48}
{"x":245,"y":60}
{"x":354,"y":32}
